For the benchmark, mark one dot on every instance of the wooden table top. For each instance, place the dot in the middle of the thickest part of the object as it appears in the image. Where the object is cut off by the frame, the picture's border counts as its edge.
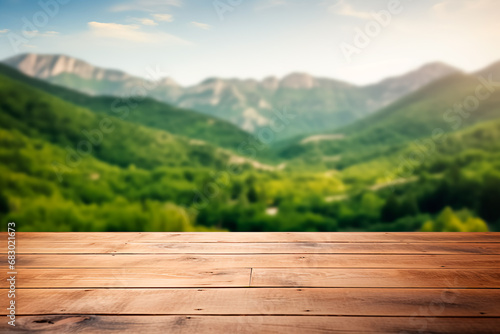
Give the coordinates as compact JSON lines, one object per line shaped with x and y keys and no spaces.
{"x":254,"y":283}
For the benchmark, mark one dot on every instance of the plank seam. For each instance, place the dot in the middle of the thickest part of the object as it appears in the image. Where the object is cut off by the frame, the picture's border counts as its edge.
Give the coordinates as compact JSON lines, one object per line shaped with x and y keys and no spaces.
{"x":257,"y":314}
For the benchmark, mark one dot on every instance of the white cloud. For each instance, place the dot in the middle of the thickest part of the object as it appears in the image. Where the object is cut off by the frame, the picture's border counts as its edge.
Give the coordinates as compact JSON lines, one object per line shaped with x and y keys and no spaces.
{"x":4,"y":31}
{"x":262,"y":5}
{"x":441,"y":6}
{"x":36,"y":33}
{"x":146,"y":5}
{"x":145,"y":21}
{"x":201,"y":25}
{"x":133,"y":33}
{"x":448,"y":8}
{"x":345,"y":9}
{"x":115,"y":30}
{"x":163,"y":17}
{"x":480,"y":16}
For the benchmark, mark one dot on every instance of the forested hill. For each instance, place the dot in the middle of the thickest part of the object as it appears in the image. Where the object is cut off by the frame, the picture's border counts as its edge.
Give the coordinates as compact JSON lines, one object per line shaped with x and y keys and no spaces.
{"x":145,"y":111}
{"x":114,"y":140}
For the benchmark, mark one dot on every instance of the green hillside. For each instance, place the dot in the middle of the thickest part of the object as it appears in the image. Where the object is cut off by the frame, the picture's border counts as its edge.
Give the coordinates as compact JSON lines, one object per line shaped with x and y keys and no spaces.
{"x":146,"y":111}
{"x":111,"y":139}
{"x":65,"y":168}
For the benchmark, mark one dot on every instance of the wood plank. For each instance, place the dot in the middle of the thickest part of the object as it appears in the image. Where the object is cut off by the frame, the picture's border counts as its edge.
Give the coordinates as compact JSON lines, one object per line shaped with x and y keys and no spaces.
{"x":257,"y":237}
{"x":221,"y":261}
{"x":84,"y":247}
{"x":251,"y":301}
{"x":250,"y":324}
{"x":403,"y":278}
{"x":128,"y":277}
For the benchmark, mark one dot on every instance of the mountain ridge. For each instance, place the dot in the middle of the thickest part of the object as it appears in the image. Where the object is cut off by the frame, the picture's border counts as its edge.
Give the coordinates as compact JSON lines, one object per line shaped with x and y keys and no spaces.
{"x":322,"y":103}
{"x":418,"y":115}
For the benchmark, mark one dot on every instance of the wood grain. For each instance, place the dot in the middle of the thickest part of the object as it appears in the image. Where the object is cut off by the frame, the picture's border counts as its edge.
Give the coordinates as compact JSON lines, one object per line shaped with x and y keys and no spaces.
{"x":376,"y":278}
{"x":84,"y":247}
{"x":260,"y":277}
{"x":222,"y":261}
{"x":257,"y":237}
{"x":85,"y":324}
{"x":129,"y":277}
{"x":265,"y":301}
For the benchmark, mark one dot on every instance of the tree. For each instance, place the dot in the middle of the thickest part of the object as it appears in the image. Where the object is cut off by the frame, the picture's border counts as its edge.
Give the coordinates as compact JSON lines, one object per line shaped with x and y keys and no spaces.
{"x":4,"y":204}
{"x":252,"y":195}
{"x":476,"y":225}
{"x":448,"y":221}
{"x":371,"y":204}
{"x":488,"y":207}
{"x":390,"y":211}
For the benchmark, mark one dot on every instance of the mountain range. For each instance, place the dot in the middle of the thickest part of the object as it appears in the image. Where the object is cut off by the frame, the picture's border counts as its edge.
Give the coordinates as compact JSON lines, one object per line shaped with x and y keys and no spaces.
{"x":320,"y":104}
{"x":70,"y":161}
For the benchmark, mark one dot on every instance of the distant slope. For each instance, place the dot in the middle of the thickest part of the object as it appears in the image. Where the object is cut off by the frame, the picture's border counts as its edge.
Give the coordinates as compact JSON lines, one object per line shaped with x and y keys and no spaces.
{"x":319,"y":103}
{"x":316,"y":104}
{"x":146,"y":111}
{"x":391,"y":89}
{"x":415,"y":116}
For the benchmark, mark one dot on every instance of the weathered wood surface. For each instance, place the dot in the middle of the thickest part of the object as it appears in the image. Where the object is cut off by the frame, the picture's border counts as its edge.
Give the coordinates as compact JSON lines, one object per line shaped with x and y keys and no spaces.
{"x":121,"y":247}
{"x":254,"y":283}
{"x":377,"y":278}
{"x":265,"y":301}
{"x":257,"y":237}
{"x":90,"y":324}
{"x":260,"y":277}
{"x":222,"y":261}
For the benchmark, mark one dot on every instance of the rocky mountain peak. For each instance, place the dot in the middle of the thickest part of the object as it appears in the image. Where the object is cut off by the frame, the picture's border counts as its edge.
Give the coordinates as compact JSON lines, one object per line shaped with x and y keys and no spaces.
{"x":298,"y":81}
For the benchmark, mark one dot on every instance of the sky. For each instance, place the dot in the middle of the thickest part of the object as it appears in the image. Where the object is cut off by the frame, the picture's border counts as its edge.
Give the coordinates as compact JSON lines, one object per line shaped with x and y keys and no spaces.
{"x":352,"y":40}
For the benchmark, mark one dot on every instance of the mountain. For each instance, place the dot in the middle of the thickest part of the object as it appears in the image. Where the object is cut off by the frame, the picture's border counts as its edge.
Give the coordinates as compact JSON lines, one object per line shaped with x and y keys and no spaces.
{"x":391,"y":89}
{"x":433,"y":109}
{"x":148,"y":112}
{"x":84,"y":77}
{"x":254,"y":104}
{"x":319,"y":104}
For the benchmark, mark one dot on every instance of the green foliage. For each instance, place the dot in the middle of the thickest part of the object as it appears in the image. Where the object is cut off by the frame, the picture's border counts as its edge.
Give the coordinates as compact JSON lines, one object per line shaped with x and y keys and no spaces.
{"x":448,"y":221}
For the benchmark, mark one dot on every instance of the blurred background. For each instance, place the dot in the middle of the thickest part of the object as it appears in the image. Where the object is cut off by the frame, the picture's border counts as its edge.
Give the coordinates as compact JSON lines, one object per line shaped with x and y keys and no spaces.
{"x":265,"y":115}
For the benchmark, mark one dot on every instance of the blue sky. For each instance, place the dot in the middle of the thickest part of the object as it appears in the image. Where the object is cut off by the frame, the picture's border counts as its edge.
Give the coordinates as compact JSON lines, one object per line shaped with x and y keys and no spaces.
{"x":190,"y":40}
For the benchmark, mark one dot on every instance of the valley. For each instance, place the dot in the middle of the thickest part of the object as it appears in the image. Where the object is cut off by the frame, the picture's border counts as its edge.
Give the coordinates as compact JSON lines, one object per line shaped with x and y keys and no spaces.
{"x":73,"y":161}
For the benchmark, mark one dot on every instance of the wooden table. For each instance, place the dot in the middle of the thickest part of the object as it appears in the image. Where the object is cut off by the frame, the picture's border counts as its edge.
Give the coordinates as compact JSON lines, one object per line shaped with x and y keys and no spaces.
{"x":254,"y":283}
